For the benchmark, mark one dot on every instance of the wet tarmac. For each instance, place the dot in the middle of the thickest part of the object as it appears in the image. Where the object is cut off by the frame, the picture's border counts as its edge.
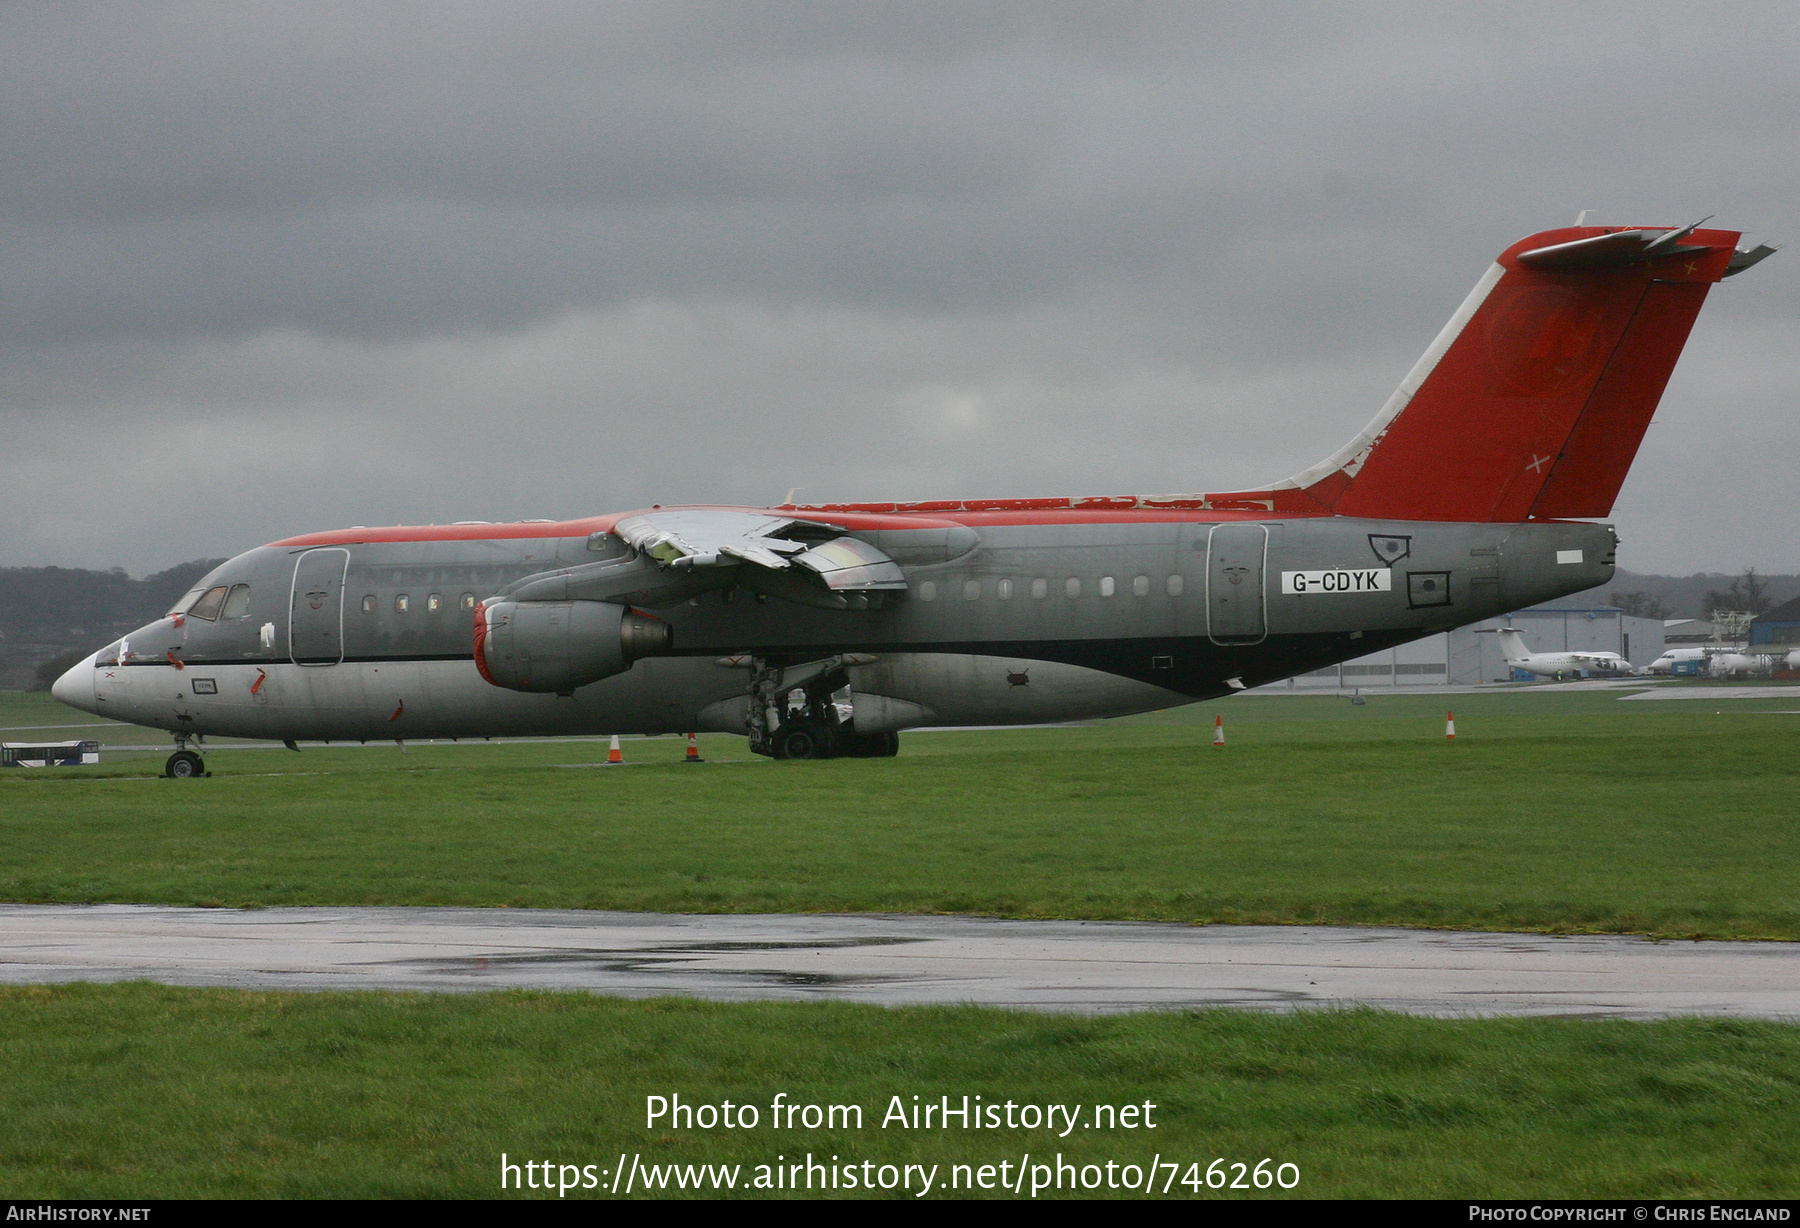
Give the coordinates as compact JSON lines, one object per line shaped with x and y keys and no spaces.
{"x":896,"y":960}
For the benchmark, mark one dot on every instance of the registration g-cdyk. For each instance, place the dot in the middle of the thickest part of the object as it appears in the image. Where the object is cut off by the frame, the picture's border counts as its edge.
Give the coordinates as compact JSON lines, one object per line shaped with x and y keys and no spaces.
{"x":1339,"y":580}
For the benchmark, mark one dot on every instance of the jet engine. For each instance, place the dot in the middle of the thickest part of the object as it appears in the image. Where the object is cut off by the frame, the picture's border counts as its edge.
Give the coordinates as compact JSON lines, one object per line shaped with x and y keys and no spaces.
{"x":552,"y":647}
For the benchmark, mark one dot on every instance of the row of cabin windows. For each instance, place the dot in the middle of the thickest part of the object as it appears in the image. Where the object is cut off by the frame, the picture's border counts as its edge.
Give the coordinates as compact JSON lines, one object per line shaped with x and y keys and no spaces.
{"x":434,"y":603}
{"x":225,"y":601}
{"x":1040,"y":588}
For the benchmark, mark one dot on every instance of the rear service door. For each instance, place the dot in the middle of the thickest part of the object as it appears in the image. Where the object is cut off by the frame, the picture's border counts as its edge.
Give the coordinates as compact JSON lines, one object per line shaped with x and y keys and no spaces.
{"x":1234,"y":583}
{"x":316,"y":608}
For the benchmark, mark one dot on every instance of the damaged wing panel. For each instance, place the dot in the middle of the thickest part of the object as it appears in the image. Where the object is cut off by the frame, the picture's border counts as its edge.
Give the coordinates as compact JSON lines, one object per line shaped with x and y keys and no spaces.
{"x":797,"y":560}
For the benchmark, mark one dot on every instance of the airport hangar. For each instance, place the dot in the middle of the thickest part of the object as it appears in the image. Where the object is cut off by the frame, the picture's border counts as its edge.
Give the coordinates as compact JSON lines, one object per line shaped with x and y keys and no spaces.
{"x":1780,"y":625}
{"x":1470,"y":655}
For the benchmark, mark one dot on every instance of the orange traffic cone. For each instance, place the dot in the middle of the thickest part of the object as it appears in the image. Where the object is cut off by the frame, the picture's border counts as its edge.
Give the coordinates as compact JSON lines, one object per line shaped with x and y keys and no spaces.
{"x":693,"y":751}
{"x":613,"y":754}
{"x":1450,"y":726}
{"x":1219,"y":732}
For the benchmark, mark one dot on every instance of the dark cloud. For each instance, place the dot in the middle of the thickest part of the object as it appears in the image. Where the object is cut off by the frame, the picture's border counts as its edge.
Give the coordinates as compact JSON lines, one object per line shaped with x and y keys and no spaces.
{"x":583,"y":255}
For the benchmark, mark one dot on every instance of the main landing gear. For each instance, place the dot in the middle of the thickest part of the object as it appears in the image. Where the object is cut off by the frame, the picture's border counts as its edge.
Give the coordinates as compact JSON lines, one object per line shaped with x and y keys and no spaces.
{"x":797,"y":713}
{"x":809,"y":739}
{"x":184,"y":764}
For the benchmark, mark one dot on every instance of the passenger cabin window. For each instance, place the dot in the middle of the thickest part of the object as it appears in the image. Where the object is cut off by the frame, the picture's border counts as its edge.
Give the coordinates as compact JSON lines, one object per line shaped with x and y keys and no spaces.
{"x":971,"y":590}
{"x":468,"y":601}
{"x":1106,"y":586}
{"x":237,"y":602}
{"x":402,"y":603}
{"x":369,"y":604}
{"x":1072,"y":587}
{"x":434,"y":603}
{"x":928,"y":591}
{"x":209,"y":604}
{"x":1174,"y":586}
{"x":1003,"y":590}
{"x":1040,"y":588}
{"x":1140,"y":587}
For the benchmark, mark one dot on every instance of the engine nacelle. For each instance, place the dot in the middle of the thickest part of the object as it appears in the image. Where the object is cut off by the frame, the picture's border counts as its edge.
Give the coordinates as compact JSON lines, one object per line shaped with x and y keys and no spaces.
{"x":552,"y":647}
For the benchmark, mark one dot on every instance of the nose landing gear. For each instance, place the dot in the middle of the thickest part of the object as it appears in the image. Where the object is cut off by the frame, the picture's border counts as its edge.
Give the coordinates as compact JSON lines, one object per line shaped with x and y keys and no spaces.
{"x":184,"y":764}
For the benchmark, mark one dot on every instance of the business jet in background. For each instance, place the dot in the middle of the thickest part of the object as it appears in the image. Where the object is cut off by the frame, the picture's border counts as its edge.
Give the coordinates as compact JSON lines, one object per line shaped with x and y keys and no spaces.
{"x":1560,"y":664}
{"x":825,"y":630}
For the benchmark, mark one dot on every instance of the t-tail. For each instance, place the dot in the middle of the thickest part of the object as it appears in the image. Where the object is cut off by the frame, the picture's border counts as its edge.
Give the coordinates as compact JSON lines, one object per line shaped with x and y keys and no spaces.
{"x":1512,"y":647}
{"x":1532,"y":402}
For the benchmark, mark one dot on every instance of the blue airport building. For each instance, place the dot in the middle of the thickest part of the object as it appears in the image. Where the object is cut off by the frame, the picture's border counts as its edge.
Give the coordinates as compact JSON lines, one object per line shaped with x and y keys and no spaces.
{"x":1780,"y":625}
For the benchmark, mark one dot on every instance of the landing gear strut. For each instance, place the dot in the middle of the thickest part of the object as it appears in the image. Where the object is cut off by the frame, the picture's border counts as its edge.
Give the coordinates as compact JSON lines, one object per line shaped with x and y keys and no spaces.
{"x":813,"y":728}
{"x":184,"y":764}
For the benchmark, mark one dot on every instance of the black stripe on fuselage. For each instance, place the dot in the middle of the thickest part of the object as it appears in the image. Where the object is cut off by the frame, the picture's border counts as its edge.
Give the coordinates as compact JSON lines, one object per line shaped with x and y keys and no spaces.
{"x":1191,"y":665}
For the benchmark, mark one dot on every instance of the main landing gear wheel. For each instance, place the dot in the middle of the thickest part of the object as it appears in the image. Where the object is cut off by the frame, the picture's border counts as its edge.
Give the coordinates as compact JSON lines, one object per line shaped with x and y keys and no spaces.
{"x":806,"y":740}
{"x":184,"y":765}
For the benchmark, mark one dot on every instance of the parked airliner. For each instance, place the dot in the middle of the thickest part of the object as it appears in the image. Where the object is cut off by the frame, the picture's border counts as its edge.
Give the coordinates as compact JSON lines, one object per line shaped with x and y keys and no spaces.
{"x":1559,"y":664}
{"x":824,"y":630}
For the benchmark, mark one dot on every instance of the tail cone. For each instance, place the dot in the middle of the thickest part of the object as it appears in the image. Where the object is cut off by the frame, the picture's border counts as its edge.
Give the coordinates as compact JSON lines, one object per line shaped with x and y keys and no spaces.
{"x":1219,"y":732}
{"x":613,"y":754}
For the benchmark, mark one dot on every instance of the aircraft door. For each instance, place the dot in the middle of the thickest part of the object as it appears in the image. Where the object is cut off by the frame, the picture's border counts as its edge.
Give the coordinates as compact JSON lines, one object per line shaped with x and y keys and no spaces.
{"x":1235,"y":563}
{"x":316,"y":607}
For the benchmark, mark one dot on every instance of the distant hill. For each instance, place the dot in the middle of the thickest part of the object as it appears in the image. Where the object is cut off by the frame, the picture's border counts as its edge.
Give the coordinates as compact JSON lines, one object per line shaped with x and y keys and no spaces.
{"x":1683,"y":596}
{"x":48,"y":613}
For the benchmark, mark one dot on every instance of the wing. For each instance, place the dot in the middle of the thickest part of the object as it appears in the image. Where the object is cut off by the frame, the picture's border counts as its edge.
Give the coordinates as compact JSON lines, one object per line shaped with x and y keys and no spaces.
{"x":681,"y":553}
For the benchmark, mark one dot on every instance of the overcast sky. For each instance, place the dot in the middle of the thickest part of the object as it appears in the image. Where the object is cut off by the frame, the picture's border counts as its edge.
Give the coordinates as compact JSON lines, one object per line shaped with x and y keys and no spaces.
{"x":267,"y":269}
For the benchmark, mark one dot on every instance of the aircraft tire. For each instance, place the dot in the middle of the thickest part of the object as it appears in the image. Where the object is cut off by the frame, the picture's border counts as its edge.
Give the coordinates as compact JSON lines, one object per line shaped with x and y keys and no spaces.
{"x":807,"y":740}
{"x":184,"y":765}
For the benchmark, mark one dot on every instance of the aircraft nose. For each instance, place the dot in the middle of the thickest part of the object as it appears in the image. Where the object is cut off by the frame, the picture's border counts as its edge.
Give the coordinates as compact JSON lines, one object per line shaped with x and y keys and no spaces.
{"x":76,"y":687}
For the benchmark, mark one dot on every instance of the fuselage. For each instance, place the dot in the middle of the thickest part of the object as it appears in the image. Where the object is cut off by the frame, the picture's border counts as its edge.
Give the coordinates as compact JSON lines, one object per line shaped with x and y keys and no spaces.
{"x":1561,"y":664}
{"x":1007,"y":617}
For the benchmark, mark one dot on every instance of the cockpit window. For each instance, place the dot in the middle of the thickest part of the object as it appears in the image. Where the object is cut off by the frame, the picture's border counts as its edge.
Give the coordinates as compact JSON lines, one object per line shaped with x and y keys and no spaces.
{"x":208,"y":605}
{"x":237,"y":602}
{"x":108,"y":655}
{"x":187,"y":600}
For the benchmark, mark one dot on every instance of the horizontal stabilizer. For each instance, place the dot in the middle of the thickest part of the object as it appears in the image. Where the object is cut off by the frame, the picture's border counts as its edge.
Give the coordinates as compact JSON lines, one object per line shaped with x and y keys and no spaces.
{"x":1741,"y":260}
{"x":1618,"y":247}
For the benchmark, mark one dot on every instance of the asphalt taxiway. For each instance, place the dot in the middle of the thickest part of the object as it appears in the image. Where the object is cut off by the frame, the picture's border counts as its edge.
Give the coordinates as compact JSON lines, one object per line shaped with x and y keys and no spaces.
{"x":1099,"y":966}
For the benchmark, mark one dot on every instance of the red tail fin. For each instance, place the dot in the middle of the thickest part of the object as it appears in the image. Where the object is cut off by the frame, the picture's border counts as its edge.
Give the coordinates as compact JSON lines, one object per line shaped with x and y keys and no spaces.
{"x":1532,"y":401}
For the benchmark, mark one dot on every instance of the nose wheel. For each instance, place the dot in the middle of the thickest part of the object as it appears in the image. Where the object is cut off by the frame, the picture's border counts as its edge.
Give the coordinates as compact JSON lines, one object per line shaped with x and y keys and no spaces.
{"x":184,"y":765}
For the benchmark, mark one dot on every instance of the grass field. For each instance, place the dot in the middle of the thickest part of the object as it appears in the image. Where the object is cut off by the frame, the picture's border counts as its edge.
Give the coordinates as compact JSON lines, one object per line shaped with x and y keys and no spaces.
{"x":140,"y":1091}
{"x":1572,"y":811}
{"x":1569,"y":811}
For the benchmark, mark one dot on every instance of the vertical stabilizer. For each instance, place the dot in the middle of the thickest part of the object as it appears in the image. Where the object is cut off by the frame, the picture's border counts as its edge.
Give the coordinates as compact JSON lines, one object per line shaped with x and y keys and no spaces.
{"x":1532,"y":401}
{"x":1512,"y":646}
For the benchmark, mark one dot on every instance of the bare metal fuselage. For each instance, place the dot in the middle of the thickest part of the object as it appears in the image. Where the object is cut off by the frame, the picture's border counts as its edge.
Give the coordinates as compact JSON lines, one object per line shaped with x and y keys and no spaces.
{"x":1074,"y":616}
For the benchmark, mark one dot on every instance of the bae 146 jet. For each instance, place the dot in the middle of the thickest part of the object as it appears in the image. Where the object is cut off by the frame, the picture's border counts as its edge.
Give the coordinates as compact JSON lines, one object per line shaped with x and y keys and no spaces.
{"x":825,"y":630}
{"x":1557,"y":664}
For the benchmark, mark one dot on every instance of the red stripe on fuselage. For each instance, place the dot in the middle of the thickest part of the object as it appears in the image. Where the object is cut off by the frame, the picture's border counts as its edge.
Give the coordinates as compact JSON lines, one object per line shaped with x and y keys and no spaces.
{"x":995,"y":512}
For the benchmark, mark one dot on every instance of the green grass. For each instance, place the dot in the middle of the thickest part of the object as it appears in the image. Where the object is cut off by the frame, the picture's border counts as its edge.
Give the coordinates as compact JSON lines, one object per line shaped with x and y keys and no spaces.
{"x":140,"y":1091}
{"x":1550,"y":812}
